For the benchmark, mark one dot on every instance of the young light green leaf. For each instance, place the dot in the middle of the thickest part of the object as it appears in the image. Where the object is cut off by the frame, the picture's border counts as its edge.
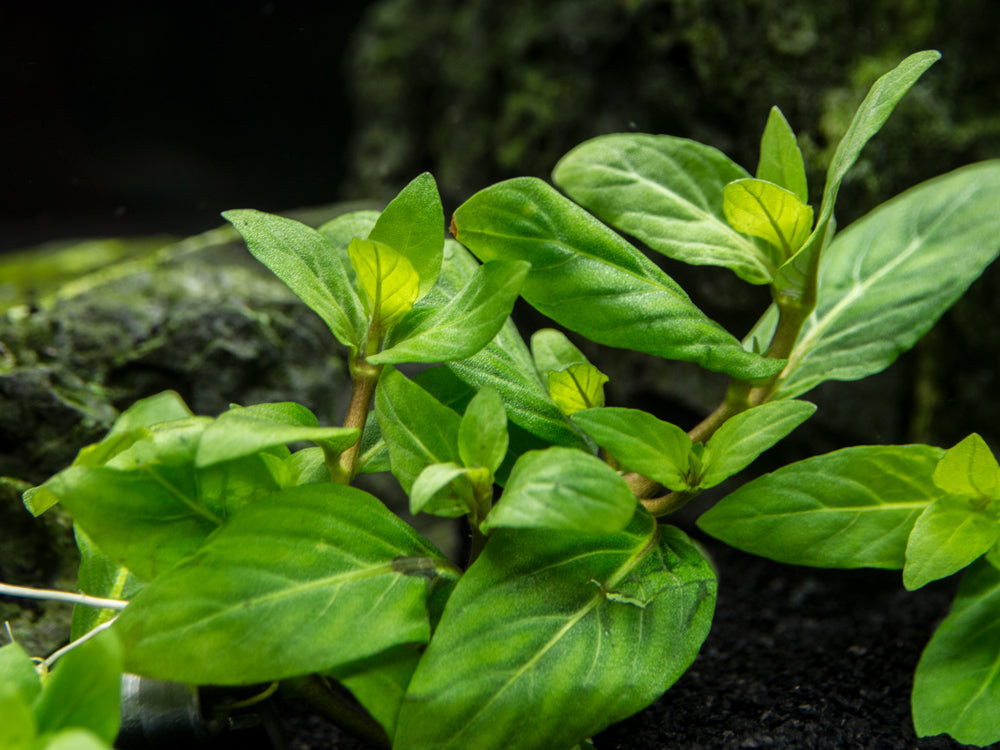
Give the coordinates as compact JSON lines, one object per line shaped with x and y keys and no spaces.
{"x":579,"y":386}
{"x":780,"y":158}
{"x":882,"y":98}
{"x":956,"y":688}
{"x":969,"y":468}
{"x":74,"y":739}
{"x":574,"y":631}
{"x":390,"y":283}
{"x":667,"y":193}
{"x":887,"y":278}
{"x":464,"y":324}
{"x":317,"y":272}
{"x":83,"y":691}
{"x":482,"y":433}
{"x":413,"y":225}
{"x":443,"y":490}
{"x":852,"y":508}
{"x":505,"y":365}
{"x":242,"y":431}
{"x":17,"y":673}
{"x":763,"y":209}
{"x":552,"y":350}
{"x":590,"y":280}
{"x":305,"y":582}
{"x":654,"y":448}
{"x":738,"y":442}
{"x":948,"y":536}
{"x":566,"y":489}
{"x":418,"y":429}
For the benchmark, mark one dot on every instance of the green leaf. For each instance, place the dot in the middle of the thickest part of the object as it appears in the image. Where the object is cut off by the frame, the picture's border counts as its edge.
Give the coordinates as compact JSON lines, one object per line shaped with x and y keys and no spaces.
{"x":887,"y":278}
{"x":763,"y":209}
{"x":464,"y":324}
{"x":549,"y":638}
{"x":84,"y":689}
{"x":780,"y":158}
{"x":851,"y":508}
{"x":482,"y":433}
{"x":388,"y":278}
{"x":413,"y":225}
{"x":579,"y":386}
{"x":505,"y":365}
{"x":149,"y":506}
{"x":552,"y":350}
{"x":99,"y":576}
{"x":563,"y":488}
{"x":381,"y":688}
{"x":948,"y":536}
{"x":956,"y":688}
{"x":882,"y":98}
{"x":738,"y":442}
{"x":418,"y":429}
{"x":590,"y":280}
{"x":442,"y":490}
{"x":17,"y":730}
{"x":354,"y":225}
{"x":317,"y":272}
{"x":17,"y":673}
{"x":654,"y":448}
{"x":242,"y":431}
{"x":128,"y":428}
{"x":667,"y":193}
{"x":304,"y":582}
{"x":969,"y":468}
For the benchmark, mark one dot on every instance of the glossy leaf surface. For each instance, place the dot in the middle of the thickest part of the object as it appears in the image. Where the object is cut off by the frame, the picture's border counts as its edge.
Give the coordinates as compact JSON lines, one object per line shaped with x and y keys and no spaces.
{"x":242,"y":431}
{"x":638,"y":440}
{"x":579,"y":386}
{"x":563,"y":488}
{"x":763,"y":209}
{"x":887,"y":278}
{"x":851,"y":508}
{"x":390,"y":282}
{"x":505,"y":365}
{"x":667,"y":193}
{"x":957,"y":685}
{"x":780,"y":158}
{"x":318,"y":273}
{"x":742,"y":438}
{"x":882,"y":98}
{"x":548,"y":638}
{"x":307,"y":581}
{"x":413,"y":225}
{"x":418,"y":429}
{"x":948,"y":536}
{"x":464,"y":324}
{"x":587,"y":278}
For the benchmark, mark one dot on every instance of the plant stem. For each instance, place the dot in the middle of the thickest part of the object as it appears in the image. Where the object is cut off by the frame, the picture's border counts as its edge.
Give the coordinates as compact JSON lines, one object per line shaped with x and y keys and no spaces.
{"x":364,"y":380}
{"x":316,"y":692}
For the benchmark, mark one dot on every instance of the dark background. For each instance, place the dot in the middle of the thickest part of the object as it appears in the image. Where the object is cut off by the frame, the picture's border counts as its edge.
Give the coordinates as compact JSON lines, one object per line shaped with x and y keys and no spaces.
{"x":123,"y":118}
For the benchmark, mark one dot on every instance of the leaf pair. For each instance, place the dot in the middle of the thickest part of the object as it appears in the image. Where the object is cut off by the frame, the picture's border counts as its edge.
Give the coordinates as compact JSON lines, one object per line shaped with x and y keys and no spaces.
{"x":368,"y":288}
{"x":447,"y":464}
{"x":663,"y":452}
